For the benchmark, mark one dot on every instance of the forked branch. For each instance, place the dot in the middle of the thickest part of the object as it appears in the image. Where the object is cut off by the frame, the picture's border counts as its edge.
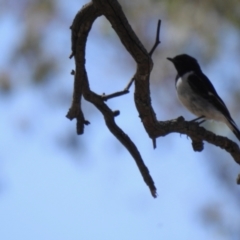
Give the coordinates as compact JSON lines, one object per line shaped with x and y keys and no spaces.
{"x":80,"y":29}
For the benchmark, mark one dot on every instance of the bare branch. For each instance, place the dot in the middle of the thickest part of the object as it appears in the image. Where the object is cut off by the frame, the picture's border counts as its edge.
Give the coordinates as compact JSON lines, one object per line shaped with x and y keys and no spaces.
{"x":113,"y":95}
{"x":157,"y":38}
{"x":80,"y":29}
{"x":87,"y":15}
{"x":129,"y":84}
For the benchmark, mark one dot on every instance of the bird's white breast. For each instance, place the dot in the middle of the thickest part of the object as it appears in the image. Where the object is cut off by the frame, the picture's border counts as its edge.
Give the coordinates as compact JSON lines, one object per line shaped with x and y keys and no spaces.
{"x":184,"y":91}
{"x":194,"y":102}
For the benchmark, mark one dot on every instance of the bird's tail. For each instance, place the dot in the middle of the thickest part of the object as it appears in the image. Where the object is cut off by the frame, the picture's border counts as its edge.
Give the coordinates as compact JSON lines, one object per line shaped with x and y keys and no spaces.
{"x":233,"y":126}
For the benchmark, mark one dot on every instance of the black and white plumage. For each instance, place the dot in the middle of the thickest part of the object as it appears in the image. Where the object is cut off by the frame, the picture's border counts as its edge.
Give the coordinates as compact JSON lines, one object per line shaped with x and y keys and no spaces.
{"x":197,"y":94}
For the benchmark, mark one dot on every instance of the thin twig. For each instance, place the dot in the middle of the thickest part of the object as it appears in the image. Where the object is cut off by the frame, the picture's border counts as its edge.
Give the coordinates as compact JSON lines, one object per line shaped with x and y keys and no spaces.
{"x":113,"y":95}
{"x":129,"y":84}
{"x":157,"y":38}
{"x":154,"y":143}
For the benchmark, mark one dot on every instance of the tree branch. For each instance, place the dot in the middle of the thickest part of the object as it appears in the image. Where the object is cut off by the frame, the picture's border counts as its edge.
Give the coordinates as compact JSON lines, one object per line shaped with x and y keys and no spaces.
{"x":157,"y":41}
{"x":80,"y":29}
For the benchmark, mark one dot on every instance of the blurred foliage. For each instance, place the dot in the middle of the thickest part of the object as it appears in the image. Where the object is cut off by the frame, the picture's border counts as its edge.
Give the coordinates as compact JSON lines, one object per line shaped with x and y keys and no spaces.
{"x":200,"y":28}
{"x":33,"y":20}
{"x":189,"y":22}
{"x":189,"y":26}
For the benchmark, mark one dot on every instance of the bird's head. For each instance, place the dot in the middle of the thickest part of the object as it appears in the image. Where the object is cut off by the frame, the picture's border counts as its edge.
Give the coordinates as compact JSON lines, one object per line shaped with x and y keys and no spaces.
{"x":185,"y":63}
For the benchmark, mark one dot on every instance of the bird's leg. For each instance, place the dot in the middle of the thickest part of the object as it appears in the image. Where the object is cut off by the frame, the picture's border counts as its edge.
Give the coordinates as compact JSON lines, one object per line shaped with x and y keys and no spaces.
{"x":198,"y":118}
{"x":202,"y":121}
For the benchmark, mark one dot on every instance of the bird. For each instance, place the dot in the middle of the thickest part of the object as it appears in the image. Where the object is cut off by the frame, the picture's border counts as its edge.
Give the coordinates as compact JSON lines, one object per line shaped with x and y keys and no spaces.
{"x":197,"y":94}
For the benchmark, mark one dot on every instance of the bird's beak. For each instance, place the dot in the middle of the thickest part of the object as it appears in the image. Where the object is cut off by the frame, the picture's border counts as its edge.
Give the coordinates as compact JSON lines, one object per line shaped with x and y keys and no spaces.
{"x":170,"y":59}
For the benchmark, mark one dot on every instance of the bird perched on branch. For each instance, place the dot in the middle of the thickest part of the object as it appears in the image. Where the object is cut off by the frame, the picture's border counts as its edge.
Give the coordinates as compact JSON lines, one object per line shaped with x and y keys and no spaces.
{"x":197,"y":94}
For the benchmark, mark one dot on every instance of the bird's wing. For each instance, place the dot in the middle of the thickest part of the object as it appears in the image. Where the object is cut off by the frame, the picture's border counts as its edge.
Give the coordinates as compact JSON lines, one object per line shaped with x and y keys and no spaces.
{"x":202,"y":86}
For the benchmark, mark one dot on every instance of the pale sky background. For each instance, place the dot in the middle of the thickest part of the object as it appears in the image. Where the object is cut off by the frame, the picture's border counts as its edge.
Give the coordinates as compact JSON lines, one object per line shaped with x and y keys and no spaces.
{"x":97,"y":192}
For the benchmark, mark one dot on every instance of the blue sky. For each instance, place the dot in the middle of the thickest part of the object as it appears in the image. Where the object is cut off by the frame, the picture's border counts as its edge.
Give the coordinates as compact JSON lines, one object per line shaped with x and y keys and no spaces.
{"x":50,"y":192}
